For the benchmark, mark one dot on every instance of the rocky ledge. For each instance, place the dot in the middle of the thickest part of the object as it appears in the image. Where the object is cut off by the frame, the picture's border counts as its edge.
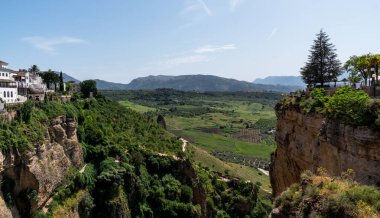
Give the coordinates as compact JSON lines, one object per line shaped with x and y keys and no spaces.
{"x":40,"y":170}
{"x":308,"y":141}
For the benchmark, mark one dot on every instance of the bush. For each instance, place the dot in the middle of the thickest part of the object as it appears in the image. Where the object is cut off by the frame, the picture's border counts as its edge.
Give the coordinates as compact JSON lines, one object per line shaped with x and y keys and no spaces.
{"x":349,"y":106}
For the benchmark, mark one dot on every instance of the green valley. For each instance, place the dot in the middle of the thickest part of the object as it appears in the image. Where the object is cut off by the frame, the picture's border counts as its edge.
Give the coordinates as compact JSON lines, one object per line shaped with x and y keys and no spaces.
{"x":235,"y":124}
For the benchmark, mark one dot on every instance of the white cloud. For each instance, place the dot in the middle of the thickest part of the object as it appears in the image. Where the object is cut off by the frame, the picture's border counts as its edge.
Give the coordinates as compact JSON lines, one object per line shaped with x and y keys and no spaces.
{"x":273,"y":33}
{"x":205,"y":7}
{"x":213,"y":48}
{"x":50,"y":44}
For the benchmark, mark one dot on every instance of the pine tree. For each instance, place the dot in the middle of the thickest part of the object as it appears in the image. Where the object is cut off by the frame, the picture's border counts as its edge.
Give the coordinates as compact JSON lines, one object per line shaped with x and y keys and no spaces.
{"x":322,"y":65}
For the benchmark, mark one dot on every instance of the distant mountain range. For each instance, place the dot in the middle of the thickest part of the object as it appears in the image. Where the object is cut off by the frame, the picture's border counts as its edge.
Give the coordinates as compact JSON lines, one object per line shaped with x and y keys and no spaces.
{"x":201,"y":83}
{"x":193,"y":83}
{"x":67,"y":78}
{"x":281,"y":80}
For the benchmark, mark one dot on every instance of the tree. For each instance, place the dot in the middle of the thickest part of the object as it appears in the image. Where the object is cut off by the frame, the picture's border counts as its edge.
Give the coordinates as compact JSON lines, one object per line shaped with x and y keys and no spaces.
{"x":88,"y":86}
{"x":349,"y":67}
{"x":374,"y":62}
{"x":359,"y":65}
{"x":161,"y":121}
{"x":322,"y":65}
{"x":61,"y":85}
{"x":50,"y":77}
{"x":34,"y":69}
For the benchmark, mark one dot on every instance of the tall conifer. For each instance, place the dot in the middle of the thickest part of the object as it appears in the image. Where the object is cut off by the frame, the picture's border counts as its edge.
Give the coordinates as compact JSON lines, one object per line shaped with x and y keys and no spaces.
{"x":323,"y":64}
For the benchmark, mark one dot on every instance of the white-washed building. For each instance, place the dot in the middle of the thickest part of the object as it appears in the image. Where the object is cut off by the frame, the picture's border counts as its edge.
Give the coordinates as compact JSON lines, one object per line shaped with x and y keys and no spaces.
{"x":18,"y":86}
{"x":8,"y":86}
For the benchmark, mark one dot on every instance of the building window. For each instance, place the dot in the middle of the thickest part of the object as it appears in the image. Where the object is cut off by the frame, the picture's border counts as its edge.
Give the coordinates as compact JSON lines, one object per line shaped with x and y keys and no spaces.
{"x":11,"y":94}
{"x":4,"y":94}
{"x":8,"y":94}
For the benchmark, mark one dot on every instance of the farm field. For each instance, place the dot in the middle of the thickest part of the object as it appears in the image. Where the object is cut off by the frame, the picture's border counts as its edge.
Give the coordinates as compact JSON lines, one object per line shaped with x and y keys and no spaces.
{"x":235,"y":123}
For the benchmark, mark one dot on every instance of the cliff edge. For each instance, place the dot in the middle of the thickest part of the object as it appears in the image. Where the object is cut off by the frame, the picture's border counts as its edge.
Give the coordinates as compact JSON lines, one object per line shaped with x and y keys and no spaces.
{"x":306,"y":141}
{"x":29,"y":178}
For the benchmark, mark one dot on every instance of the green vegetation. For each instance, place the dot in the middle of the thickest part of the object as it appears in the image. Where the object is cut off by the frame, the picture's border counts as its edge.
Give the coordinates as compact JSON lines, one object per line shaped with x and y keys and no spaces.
{"x":49,"y":77}
{"x":346,"y":105}
{"x":236,"y":122}
{"x":23,"y":132}
{"x":362,"y":67}
{"x":87,"y":87}
{"x":322,"y":65}
{"x":129,"y":166}
{"x":324,"y":196}
{"x":214,"y":121}
{"x":136,"y":107}
{"x":216,"y":142}
{"x":204,"y":159}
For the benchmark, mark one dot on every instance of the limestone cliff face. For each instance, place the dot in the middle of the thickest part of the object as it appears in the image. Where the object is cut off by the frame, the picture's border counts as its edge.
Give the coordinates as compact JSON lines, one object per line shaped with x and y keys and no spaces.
{"x":306,"y":142}
{"x":42,"y":169}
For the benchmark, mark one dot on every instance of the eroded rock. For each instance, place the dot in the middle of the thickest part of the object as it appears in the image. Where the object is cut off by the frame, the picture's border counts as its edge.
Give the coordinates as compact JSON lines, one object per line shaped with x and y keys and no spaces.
{"x":42,"y":169}
{"x":306,"y":142}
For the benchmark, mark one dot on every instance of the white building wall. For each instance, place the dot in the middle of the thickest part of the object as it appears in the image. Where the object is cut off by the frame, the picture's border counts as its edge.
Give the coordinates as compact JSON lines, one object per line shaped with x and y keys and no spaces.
{"x":10,"y":96}
{"x":5,"y":75}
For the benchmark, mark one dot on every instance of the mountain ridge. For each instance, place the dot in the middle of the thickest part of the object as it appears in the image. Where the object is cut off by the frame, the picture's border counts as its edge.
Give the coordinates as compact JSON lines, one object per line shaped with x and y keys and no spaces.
{"x":281,"y":80}
{"x":198,"y":82}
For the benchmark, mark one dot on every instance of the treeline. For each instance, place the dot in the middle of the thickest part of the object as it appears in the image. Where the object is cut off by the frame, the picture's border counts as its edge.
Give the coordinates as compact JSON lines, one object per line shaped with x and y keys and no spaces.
{"x":171,"y":96}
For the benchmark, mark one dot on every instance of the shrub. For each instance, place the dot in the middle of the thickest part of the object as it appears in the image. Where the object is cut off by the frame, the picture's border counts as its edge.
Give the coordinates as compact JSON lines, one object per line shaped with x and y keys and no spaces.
{"x":349,"y":106}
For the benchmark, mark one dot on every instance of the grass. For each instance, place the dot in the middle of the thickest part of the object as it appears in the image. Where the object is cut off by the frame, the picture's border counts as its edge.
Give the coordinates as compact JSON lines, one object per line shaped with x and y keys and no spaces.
{"x":215,"y":142}
{"x":205,"y":159}
{"x":136,"y":107}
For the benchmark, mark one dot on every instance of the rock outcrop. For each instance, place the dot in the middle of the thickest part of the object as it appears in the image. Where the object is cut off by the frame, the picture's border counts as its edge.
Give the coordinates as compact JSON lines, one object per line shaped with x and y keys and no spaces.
{"x":308,"y":141}
{"x":40,"y":171}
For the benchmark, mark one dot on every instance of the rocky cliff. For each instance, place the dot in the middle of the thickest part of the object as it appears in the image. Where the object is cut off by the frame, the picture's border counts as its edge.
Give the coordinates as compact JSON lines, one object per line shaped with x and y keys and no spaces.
{"x":308,"y":141}
{"x":29,"y":178}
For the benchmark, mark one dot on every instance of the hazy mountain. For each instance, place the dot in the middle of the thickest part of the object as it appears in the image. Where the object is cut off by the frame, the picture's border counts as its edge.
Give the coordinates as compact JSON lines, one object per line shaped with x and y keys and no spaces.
{"x":281,"y":80}
{"x":105,"y":85}
{"x":67,"y":78}
{"x":189,"y":83}
{"x":202,"y":83}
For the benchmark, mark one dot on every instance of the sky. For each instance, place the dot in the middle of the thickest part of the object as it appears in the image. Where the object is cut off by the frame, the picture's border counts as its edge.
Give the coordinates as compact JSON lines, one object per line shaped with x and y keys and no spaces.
{"x":119,"y":40}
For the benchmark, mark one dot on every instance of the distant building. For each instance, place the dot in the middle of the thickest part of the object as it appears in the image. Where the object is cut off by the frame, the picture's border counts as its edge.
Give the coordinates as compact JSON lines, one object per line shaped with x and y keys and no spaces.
{"x":18,"y":86}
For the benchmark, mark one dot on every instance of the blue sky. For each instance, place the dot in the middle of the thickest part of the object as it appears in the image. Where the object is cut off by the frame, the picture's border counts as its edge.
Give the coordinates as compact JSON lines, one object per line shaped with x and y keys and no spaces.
{"x":119,"y":40}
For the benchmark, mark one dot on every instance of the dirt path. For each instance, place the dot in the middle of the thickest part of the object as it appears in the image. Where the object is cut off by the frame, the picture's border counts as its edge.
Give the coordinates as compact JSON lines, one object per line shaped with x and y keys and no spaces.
{"x":264,"y":171}
{"x":184,"y":144}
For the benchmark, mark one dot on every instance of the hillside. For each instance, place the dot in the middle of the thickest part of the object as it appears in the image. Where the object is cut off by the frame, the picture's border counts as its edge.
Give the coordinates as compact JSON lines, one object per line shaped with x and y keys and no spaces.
{"x":281,"y":80}
{"x":324,"y":196}
{"x":105,"y":85}
{"x":95,"y":158}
